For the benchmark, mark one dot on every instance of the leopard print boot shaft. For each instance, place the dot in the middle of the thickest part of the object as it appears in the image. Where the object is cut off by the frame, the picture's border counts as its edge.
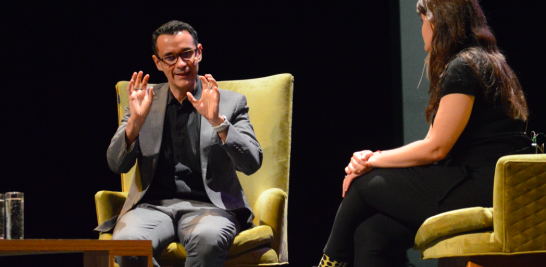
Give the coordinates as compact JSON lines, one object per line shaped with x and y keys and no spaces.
{"x":327,"y":262}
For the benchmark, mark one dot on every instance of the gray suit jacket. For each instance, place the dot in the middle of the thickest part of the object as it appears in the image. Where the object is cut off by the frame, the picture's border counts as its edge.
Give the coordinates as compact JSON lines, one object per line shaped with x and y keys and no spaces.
{"x":241,"y":152}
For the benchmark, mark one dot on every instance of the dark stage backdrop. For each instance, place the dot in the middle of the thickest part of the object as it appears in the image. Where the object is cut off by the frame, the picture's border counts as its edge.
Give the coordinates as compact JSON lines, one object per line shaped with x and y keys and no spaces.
{"x":61,"y":60}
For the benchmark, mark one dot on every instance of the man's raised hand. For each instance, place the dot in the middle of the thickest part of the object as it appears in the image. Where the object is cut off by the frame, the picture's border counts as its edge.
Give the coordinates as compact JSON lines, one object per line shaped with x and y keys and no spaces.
{"x":140,"y":99}
{"x":140,"y":103}
{"x":208,"y":105}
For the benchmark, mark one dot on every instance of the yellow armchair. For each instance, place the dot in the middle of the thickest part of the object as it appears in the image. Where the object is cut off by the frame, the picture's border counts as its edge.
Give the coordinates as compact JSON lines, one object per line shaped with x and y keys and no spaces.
{"x":270,"y":102}
{"x":512,"y":233}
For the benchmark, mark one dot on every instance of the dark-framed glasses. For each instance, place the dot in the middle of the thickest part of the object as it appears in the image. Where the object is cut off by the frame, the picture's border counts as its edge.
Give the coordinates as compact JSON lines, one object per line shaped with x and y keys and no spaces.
{"x":186,"y":55}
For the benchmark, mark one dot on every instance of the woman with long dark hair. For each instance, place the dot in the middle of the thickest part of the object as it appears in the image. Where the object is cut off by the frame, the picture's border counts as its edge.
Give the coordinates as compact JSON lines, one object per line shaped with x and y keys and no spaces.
{"x":477,"y":113}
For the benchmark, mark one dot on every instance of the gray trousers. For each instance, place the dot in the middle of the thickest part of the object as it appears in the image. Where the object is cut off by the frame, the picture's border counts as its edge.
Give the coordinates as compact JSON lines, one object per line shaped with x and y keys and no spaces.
{"x":205,"y":231}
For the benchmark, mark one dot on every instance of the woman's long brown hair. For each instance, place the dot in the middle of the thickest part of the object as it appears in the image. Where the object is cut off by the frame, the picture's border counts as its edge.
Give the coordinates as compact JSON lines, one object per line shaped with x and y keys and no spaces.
{"x":460,"y":30}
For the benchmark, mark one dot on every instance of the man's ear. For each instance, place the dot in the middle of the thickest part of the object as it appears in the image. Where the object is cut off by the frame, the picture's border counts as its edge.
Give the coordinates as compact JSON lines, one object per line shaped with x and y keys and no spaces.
{"x":157,"y":63}
{"x":199,"y":55}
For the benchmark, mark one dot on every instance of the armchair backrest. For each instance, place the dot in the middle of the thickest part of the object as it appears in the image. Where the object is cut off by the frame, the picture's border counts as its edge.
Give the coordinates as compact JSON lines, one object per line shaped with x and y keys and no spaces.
{"x":270,"y":103}
{"x":519,"y":203}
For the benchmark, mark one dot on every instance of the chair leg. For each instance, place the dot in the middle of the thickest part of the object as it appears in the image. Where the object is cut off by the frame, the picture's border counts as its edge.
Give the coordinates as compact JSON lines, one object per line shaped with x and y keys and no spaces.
{"x":527,"y":260}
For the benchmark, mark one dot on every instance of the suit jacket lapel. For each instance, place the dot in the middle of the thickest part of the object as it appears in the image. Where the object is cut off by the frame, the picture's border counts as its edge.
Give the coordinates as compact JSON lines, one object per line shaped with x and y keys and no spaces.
{"x":157,"y":113}
{"x":204,"y":144}
{"x":206,"y":136}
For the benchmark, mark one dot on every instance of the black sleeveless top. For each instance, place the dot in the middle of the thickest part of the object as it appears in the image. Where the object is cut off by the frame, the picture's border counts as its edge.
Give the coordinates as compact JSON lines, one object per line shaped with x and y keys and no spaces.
{"x":490,"y":133}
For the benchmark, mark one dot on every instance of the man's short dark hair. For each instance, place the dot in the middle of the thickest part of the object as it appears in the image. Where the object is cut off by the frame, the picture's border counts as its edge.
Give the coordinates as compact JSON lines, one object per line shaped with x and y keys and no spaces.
{"x":171,"y":28}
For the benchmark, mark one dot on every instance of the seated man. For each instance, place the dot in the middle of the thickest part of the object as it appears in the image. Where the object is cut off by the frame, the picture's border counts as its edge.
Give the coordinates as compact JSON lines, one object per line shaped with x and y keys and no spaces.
{"x":189,"y":138}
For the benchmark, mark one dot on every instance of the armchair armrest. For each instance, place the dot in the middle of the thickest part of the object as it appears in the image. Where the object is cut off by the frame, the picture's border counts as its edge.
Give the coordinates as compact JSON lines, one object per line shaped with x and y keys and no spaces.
{"x":270,"y":210}
{"x":108,"y":204}
{"x":519,"y":203}
{"x":453,"y":223}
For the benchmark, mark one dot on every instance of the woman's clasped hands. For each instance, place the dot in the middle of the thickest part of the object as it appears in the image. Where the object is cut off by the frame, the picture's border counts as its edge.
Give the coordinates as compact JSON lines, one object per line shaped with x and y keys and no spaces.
{"x":358,"y":166}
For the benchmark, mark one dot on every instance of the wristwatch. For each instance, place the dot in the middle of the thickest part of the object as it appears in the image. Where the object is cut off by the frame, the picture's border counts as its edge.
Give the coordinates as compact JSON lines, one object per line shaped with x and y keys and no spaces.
{"x":222,"y":126}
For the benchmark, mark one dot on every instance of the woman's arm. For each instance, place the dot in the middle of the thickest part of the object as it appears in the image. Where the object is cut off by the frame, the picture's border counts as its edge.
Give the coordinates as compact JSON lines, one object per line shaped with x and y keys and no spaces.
{"x":451,"y":119}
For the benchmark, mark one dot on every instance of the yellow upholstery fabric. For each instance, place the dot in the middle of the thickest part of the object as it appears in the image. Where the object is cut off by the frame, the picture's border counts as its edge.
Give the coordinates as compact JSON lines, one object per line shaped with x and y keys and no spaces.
{"x":105,"y":236}
{"x":270,"y":102}
{"x":462,"y":245}
{"x":251,"y":238}
{"x":453,"y":222}
{"x":108,"y":204}
{"x":519,"y":203}
{"x":174,"y":253}
{"x":519,"y":216}
{"x":269,"y":210}
{"x":263,"y":256}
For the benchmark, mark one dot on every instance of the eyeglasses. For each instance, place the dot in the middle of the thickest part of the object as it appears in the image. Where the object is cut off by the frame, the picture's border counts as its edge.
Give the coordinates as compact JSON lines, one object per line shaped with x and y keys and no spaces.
{"x":186,"y":55}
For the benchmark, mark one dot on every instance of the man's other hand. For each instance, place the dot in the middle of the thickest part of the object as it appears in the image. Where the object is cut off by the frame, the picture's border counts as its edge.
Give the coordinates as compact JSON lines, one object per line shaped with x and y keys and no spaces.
{"x":208,"y":105}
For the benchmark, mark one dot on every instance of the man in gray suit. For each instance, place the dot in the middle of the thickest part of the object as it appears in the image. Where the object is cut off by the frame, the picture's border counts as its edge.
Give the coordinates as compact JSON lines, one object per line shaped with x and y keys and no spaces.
{"x":189,"y":138}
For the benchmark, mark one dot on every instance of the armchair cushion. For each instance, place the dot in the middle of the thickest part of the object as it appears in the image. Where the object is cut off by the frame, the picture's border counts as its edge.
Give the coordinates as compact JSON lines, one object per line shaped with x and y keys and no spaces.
{"x":263,"y":256}
{"x":250,"y":239}
{"x":453,"y":222}
{"x":105,"y":236}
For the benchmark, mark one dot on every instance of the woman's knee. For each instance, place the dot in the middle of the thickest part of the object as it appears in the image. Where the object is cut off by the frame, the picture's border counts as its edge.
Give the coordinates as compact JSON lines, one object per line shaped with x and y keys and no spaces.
{"x":370,"y":183}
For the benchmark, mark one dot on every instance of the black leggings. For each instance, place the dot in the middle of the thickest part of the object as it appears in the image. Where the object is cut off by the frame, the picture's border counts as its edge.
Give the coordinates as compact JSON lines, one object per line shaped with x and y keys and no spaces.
{"x":378,"y":219}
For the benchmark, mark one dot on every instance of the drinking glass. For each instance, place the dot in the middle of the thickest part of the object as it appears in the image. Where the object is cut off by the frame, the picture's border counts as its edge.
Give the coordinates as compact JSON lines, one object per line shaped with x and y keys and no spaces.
{"x":14,"y":213}
{"x":2,"y":216}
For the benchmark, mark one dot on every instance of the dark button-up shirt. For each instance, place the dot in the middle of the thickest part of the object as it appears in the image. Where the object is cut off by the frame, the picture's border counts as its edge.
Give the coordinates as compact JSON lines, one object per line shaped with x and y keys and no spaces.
{"x":178,"y":171}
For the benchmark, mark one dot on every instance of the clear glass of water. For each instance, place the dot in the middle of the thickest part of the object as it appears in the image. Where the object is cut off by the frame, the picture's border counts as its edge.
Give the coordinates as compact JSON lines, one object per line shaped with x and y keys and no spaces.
{"x":14,"y":213}
{"x":2,"y":217}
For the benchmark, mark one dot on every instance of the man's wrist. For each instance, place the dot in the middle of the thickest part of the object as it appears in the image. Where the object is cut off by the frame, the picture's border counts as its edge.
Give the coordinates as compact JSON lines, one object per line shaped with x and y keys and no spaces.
{"x":222,"y":126}
{"x":132,"y":129}
{"x":217,"y":121}
{"x":135,"y":122}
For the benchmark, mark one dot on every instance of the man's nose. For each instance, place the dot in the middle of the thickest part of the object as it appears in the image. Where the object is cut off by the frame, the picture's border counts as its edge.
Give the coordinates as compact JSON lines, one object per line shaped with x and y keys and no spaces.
{"x":181,"y":62}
